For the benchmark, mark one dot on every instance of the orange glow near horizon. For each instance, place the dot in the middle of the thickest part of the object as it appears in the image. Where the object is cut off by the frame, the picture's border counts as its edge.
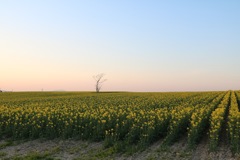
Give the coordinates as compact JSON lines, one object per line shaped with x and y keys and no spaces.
{"x":168,"y":47}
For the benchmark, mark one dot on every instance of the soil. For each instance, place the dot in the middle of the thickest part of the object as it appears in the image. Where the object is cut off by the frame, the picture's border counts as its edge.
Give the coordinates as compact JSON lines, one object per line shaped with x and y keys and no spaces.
{"x":76,"y":149}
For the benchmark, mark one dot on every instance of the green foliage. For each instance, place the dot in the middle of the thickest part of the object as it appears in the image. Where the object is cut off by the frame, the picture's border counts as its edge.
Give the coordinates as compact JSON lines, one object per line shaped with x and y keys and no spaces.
{"x":126,"y":122}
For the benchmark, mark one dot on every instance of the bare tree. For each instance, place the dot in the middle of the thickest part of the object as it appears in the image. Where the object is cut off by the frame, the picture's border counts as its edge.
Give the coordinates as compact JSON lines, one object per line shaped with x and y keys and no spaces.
{"x":99,"y":81}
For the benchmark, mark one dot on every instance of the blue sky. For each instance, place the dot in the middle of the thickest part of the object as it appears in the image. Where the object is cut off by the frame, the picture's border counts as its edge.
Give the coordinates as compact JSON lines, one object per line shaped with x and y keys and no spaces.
{"x":139,"y":45}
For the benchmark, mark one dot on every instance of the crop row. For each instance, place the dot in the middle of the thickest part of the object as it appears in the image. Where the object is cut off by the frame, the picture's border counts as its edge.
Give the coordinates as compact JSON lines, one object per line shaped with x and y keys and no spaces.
{"x":122,"y":118}
{"x":234,"y":124}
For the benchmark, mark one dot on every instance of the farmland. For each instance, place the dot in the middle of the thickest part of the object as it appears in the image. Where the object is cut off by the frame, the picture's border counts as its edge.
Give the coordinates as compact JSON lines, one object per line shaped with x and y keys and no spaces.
{"x":124,"y":122}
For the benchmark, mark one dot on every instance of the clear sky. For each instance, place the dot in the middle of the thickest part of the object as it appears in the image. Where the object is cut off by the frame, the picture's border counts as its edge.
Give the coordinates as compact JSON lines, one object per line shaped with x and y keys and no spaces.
{"x":155,"y":45}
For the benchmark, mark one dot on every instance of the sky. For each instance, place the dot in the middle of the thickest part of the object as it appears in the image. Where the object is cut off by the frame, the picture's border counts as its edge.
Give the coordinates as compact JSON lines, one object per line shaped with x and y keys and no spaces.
{"x":143,"y":46}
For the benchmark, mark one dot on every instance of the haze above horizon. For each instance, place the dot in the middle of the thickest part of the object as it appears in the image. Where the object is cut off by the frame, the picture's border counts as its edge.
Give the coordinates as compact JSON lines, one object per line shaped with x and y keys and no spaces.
{"x":139,"y":45}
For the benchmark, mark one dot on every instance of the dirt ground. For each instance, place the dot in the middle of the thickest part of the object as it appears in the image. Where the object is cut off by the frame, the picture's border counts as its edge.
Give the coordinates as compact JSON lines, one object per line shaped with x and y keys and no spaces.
{"x":77,"y":150}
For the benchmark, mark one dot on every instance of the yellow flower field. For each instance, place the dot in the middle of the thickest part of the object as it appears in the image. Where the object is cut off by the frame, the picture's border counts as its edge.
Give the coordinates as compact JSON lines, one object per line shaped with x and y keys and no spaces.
{"x":121,"y":118}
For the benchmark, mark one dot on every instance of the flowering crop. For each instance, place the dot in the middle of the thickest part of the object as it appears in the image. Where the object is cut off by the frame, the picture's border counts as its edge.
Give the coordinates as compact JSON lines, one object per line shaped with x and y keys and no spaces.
{"x":128,"y":118}
{"x":234,"y":124}
{"x":180,"y":117}
{"x":217,"y":120}
{"x":199,"y":121}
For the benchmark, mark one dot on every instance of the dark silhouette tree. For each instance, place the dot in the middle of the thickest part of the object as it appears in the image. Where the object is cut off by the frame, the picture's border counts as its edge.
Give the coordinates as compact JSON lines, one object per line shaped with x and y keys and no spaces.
{"x":99,"y":81}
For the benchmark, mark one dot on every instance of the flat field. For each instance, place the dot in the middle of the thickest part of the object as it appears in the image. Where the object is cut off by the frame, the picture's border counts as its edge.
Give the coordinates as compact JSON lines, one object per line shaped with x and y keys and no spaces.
{"x":84,"y":125}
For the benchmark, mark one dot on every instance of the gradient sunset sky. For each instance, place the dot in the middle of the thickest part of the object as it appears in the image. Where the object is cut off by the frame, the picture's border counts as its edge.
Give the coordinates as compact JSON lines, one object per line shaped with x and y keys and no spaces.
{"x":169,"y":45}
